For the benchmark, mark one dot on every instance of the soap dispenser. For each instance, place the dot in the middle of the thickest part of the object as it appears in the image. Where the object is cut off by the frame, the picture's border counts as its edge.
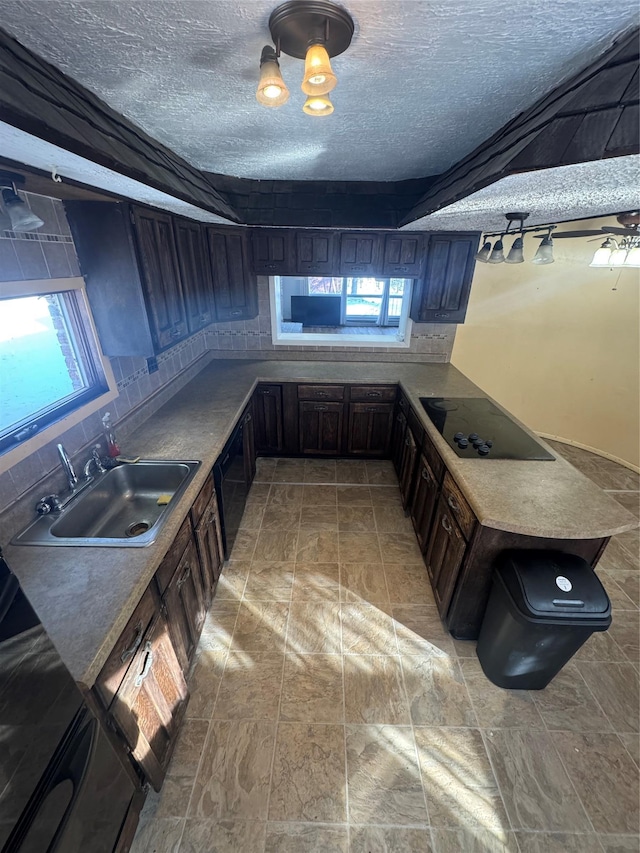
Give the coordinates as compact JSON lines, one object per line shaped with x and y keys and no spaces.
{"x":113,"y":449}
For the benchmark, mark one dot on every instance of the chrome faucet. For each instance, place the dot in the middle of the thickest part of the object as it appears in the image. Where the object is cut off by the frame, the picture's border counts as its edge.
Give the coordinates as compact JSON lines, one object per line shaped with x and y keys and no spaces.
{"x":67,"y":467}
{"x":94,"y":461}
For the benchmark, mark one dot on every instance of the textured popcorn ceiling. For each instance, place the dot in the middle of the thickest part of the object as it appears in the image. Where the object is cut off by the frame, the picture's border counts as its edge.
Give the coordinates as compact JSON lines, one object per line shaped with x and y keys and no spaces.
{"x":422,"y":84}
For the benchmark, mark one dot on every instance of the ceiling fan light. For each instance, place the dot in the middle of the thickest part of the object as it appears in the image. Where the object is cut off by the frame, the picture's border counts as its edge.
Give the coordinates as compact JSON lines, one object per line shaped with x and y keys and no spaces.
{"x":22,"y":219}
{"x":5,"y":222}
{"x":482,"y":254}
{"x":319,"y":78}
{"x":618,"y":258}
{"x":497,"y":255}
{"x":602,"y":256}
{"x":272,"y":90}
{"x":318,"y":105}
{"x":633,"y":257}
{"x":544,"y":255}
{"x":516,"y":253}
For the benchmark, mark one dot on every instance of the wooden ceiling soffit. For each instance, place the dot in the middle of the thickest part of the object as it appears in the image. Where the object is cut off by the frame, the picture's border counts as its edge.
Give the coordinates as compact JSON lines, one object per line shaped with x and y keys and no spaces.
{"x":592,"y":116}
{"x":39,"y":99}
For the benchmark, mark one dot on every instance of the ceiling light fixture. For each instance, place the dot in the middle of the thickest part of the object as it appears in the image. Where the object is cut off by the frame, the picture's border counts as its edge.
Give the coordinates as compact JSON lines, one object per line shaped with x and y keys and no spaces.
{"x":313,"y":30}
{"x":20,"y":217}
{"x":515,"y":225}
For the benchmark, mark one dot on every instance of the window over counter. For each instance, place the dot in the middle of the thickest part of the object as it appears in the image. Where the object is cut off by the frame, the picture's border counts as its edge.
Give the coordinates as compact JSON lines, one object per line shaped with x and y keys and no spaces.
{"x":52,"y":372}
{"x":347,"y":310}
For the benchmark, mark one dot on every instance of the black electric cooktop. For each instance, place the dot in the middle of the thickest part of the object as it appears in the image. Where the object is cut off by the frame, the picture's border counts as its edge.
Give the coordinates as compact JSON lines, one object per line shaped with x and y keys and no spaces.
{"x":476,"y":429}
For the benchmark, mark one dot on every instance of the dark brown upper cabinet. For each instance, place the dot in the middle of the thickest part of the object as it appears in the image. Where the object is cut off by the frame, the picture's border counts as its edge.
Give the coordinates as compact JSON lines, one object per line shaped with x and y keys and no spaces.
{"x":272,"y":251}
{"x":403,"y":255}
{"x":360,"y":253}
{"x":315,"y":253}
{"x":443,"y":293}
{"x":195,"y":274}
{"x":235,"y":289}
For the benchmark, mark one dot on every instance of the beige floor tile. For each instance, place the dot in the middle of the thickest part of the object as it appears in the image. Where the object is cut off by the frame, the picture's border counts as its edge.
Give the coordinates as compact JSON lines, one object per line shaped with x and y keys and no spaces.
{"x":359,"y":547}
{"x":373,"y":690}
{"x":356,"y":519}
{"x":252,"y":516}
{"x":632,"y":743}
{"x":244,"y":546}
{"x":219,"y":623}
{"x":436,"y":691}
{"x":250,"y":687}
{"x":616,"y":689}
{"x":617,"y":558}
{"x":319,"y":471}
{"x":557,"y":842}
{"x":233,"y":779}
{"x":223,"y":836}
{"x":259,"y":492}
{"x":317,"y":546}
{"x":306,"y":838}
{"x":367,"y":630}
{"x":269,"y":581}
{"x":567,"y":704}
{"x":319,"y":495}
{"x":319,"y":517}
{"x":276,"y":545}
{"x":474,"y":841}
{"x":391,"y":518}
{"x":261,"y":626}
{"x":383,"y":776}
{"x":308,"y":782}
{"x":158,"y":835}
{"x":316,"y":582}
{"x":601,"y":646}
{"x":459,"y":784}
{"x":232,"y":579}
{"x":408,"y":584}
{"x":265,"y":466}
{"x":629,"y":581}
{"x":363,"y":582}
{"x":350,"y":472}
{"x":281,"y":517}
{"x":312,"y":689}
{"x":400,"y":548}
{"x":204,"y":682}
{"x":535,"y":787}
{"x":419,"y":630}
{"x":353,"y":495}
{"x":625,"y":630}
{"x":381,"y":472}
{"x":389,"y":839}
{"x":386,"y":496}
{"x":617,"y":595}
{"x":314,"y":628}
{"x":281,"y":494}
{"x":173,"y":799}
{"x":496,"y":707}
{"x":289,"y":471}
{"x":619,"y":843}
{"x":613,"y":802}
{"x":188,"y":749}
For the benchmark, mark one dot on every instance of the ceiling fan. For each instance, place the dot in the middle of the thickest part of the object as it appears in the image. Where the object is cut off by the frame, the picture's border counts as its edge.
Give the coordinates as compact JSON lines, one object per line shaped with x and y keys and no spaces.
{"x":629,"y":222}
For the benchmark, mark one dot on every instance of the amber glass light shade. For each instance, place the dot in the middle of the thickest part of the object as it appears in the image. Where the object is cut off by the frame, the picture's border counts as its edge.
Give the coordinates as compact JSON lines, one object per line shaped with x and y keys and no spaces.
{"x":318,"y":105}
{"x":319,"y":78}
{"x":272,"y":90}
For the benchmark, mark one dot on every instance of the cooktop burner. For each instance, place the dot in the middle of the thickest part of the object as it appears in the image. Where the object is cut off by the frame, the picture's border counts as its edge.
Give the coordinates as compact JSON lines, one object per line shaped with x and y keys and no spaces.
{"x":476,"y":429}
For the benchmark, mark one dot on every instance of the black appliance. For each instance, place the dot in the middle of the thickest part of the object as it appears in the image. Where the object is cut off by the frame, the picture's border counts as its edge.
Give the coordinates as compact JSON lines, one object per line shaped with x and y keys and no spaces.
{"x":316,"y":310}
{"x":476,"y":429}
{"x":232,"y":486}
{"x":63,"y":789}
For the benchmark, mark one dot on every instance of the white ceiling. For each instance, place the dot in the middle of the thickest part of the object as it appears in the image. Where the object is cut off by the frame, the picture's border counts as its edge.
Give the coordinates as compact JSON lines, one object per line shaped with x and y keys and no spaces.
{"x":423,"y":83}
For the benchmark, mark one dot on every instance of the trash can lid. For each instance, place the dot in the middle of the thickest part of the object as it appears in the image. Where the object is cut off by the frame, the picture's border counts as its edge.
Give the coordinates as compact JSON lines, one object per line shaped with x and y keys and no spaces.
{"x":553,"y":585}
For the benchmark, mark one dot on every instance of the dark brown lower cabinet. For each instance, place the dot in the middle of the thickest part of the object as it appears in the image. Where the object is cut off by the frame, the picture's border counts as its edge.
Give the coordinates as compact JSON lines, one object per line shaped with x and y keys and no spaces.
{"x":369,"y":432}
{"x":148,"y":708}
{"x":320,"y":426}
{"x":425,"y":498}
{"x":446,"y":551}
{"x":407,"y":467}
{"x":183,"y":603}
{"x":397,"y":439}
{"x":267,"y":415}
{"x":249,"y":444}
{"x":208,"y":537}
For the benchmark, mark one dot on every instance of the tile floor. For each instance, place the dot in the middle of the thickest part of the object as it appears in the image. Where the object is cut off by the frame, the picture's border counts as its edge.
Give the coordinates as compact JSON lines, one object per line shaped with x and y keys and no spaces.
{"x":330,"y":711}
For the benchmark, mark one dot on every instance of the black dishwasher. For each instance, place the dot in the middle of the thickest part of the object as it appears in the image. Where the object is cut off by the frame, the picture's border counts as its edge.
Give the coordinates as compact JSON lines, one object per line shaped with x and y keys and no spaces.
{"x":232,"y":485}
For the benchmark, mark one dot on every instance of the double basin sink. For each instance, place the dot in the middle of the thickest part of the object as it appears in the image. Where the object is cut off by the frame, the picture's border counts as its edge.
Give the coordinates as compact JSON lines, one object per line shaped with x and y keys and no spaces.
{"x":125,"y":506}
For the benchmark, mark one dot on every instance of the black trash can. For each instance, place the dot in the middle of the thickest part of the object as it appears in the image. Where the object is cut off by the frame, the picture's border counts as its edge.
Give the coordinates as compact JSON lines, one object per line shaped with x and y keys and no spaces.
{"x":543,"y":606}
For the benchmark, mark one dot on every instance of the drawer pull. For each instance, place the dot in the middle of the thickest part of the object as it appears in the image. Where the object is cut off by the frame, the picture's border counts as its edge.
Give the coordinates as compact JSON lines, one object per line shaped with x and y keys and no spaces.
{"x":372,"y":409}
{"x":235,"y":313}
{"x":445,"y":524}
{"x":185,"y":577}
{"x":322,"y":393}
{"x":247,"y":418}
{"x":407,"y":441}
{"x":321,"y":408}
{"x":454,"y":506}
{"x":148,"y":663}
{"x":174,"y":333}
{"x":137,"y":639}
{"x":266,"y":393}
{"x":374,"y":394}
{"x":425,"y":475}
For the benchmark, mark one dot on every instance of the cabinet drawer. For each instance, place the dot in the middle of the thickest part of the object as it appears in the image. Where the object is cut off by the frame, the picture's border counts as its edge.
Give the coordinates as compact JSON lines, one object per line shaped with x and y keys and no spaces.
{"x":168,"y":566}
{"x":200,"y":503}
{"x":117,"y":664}
{"x":321,"y":392}
{"x":373,"y":393}
{"x":460,"y":509}
{"x":433,"y":457}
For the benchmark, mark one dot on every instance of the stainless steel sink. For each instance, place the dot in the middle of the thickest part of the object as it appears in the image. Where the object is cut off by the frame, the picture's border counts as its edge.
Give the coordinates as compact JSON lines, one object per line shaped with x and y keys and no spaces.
{"x":119,"y":509}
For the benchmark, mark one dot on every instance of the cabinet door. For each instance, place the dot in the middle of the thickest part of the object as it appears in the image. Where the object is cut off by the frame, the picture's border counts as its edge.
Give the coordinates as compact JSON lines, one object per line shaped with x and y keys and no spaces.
{"x":194,"y":273}
{"x":160,"y":276}
{"x":360,"y":253}
{"x":397,"y":439}
{"x":315,"y":253}
{"x":425,"y":498}
{"x":272,"y":252}
{"x":151,"y":701}
{"x":444,"y":291}
{"x":403,"y":255}
{"x":320,"y":426}
{"x":444,"y":556}
{"x":249,"y":445}
{"x":235,"y":289}
{"x":267,"y":410}
{"x":408,"y":467}
{"x":369,"y":429}
{"x":208,"y":534}
{"x":184,"y":606}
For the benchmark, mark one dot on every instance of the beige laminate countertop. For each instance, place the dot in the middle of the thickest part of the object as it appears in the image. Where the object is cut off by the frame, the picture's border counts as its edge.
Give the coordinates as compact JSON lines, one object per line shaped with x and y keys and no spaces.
{"x":84,"y":596}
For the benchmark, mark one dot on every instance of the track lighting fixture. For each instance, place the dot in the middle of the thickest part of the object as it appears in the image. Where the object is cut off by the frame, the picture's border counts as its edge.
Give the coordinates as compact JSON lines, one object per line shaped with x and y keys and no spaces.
{"x":19,"y":216}
{"x":515,"y":225}
{"x":313,"y":30}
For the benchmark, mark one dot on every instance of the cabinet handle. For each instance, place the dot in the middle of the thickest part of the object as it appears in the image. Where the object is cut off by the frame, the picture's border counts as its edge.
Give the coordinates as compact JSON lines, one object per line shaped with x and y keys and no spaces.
{"x":425,"y":475}
{"x":247,"y":419}
{"x":269,"y":266}
{"x":441,"y":315}
{"x":148,"y":663}
{"x":266,"y":393}
{"x":322,"y":393}
{"x":374,"y":393}
{"x":454,"y":506}
{"x":445,"y":524}
{"x":174,"y":333}
{"x":235,"y":313}
{"x":321,"y":408}
{"x":401,"y":269}
{"x":137,"y":639}
{"x":185,"y":577}
{"x":407,"y":442}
